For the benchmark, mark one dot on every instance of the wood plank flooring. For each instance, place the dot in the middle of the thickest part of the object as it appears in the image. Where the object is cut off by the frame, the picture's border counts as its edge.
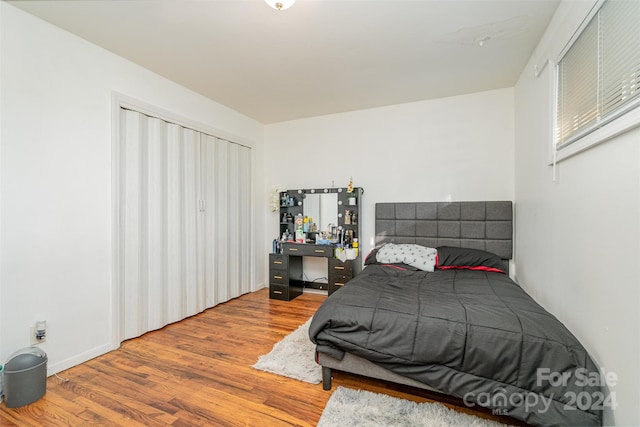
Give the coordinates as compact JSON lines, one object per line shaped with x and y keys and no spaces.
{"x":197,"y":372}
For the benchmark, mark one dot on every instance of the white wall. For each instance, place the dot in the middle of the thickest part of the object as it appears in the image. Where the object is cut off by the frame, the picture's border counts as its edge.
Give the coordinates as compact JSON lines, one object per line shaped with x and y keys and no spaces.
{"x":577,"y":239}
{"x":458,"y":148}
{"x":56,"y":181}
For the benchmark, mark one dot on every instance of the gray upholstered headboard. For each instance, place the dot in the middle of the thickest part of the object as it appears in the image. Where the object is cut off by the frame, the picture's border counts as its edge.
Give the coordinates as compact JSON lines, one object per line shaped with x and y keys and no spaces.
{"x":479,"y":225}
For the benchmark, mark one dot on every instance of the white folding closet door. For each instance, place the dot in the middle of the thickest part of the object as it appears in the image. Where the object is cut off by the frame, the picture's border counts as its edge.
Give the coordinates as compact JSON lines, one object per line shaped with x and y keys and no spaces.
{"x":226,"y":187}
{"x":159,"y":175}
{"x":131,"y":257}
{"x":182,"y":185}
{"x":184,"y":228}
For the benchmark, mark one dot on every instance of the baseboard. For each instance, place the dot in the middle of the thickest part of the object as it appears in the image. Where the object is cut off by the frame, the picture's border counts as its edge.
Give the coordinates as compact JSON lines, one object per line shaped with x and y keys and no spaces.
{"x":78,"y":359}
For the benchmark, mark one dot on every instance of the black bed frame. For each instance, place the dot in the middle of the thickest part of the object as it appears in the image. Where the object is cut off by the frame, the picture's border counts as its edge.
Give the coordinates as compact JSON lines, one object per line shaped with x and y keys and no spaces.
{"x":478,"y":225}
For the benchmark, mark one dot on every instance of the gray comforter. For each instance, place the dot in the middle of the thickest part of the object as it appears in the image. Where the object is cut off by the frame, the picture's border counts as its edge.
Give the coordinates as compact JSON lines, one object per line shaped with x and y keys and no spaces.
{"x":471,"y":334}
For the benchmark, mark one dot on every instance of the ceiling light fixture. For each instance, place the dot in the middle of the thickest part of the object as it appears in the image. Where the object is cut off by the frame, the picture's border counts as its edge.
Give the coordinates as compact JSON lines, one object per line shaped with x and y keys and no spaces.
{"x":280,"y":4}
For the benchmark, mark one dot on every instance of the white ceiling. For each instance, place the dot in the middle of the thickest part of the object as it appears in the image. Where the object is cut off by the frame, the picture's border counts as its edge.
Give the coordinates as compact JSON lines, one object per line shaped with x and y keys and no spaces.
{"x":318,"y":57}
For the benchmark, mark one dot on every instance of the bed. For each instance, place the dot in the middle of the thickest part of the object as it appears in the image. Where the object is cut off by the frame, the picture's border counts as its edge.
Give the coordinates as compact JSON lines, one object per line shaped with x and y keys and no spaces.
{"x":465,"y":329}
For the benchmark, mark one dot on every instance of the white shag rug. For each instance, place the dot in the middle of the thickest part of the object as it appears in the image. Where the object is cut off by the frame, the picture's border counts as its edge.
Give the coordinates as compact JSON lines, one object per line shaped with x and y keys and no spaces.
{"x":293,"y":357}
{"x":348,"y":407}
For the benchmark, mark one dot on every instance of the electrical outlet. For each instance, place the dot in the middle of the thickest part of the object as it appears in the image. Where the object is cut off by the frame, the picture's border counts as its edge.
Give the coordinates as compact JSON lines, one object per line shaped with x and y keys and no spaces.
{"x":36,"y":337}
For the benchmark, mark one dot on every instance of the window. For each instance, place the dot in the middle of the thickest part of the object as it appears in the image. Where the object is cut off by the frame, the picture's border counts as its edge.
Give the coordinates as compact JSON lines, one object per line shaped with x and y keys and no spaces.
{"x":599,"y":74}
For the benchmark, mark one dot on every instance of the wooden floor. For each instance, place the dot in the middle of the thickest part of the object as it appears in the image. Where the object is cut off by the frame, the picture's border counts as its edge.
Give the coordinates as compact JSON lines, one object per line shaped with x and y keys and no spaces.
{"x":198,"y":372}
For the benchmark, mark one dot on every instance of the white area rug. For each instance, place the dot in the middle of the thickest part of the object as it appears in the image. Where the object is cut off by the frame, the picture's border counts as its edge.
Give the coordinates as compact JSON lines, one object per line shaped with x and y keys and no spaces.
{"x":348,"y":407}
{"x":293,"y":357}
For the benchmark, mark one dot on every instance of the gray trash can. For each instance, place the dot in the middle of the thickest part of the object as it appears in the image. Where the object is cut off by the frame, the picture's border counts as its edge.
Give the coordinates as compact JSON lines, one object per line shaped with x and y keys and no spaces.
{"x":25,"y":377}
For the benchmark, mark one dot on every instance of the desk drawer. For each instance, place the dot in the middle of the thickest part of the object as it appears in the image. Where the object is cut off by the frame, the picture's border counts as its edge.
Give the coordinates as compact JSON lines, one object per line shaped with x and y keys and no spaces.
{"x":278,"y":277}
{"x":338,"y":267}
{"x":284,"y":292}
{"x":334,"y":286}
{"x":338,"y":282}
{"x":308,"y":250}
{"x":279,"y":292}
{"x":278,"y":262}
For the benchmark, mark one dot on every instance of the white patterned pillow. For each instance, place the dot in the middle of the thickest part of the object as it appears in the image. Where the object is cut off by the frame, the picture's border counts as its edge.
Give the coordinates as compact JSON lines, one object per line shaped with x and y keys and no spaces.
{"x":416,"y":256}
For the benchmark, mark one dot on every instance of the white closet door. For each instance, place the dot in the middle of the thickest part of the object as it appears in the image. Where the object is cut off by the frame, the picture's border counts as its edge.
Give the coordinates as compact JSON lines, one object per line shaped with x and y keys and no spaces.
{"x":226,"y":172}
{"x":159,"y":175}
{"x":132,"y":277}
{"x":184,"y":222}
{"x":182,"y":184}
{"x":238,"y":171}
{"x":209,"y":233}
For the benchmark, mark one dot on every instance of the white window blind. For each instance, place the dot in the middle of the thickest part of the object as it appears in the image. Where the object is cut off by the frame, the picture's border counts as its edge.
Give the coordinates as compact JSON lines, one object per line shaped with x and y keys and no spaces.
{"x":599,"y":75}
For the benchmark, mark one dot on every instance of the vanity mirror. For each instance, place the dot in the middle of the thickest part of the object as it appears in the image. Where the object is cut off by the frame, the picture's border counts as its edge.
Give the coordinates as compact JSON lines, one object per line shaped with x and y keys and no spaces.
{"x":318,"y":211}
{"x":321,"y":209}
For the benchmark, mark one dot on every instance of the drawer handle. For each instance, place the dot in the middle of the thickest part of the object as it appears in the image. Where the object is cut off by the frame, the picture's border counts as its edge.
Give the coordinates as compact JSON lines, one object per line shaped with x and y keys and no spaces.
{"x":320,"y":251}
{"x":339,"y":284}
{"x":277,"y":292}
{"x":293,"y":249}
{"x":338,"y":268}
{"x":277,"y":262}
{"x":277,"y":277}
